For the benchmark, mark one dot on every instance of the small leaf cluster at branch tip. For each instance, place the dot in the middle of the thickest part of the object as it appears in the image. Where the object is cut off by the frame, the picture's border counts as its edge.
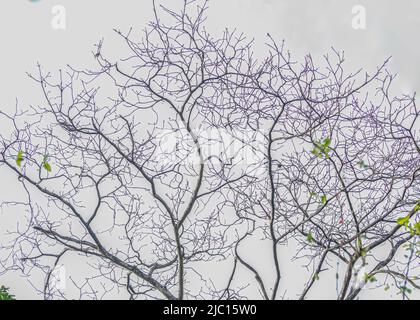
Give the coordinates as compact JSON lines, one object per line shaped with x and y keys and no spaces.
{"x":5,"y":295}
{"x":362,"y":164}
{"x":45,"y":164}
{"x":405,"y":289}
{"x":322,"y":198}
{"x":309,"y":237}
{"x":322,"y":148}
{"x":369,"y":278}
{"x":19,"y":158}
{"x":413,"y":228}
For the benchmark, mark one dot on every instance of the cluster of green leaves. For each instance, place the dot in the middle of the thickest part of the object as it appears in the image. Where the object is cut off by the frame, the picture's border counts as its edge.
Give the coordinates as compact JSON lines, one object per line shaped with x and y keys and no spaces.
{"x":369,"y":278}
{"x":45,"y":164}
{"x":362,"y":164}
{"x":20,"y":158}
{"x":309,"y":237}
{"x":322,"y":148}
{"x":413,"y":228}
{"x":5,"y":295}
{"x":322,"y":198}
{"x":405,"y":289}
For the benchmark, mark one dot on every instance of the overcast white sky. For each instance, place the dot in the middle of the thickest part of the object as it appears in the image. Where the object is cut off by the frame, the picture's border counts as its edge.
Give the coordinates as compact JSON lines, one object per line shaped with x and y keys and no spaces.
{"x":26,"y":37}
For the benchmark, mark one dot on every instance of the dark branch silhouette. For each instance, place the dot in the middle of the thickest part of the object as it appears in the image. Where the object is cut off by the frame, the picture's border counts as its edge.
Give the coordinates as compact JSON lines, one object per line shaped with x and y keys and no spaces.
{"x":152,"y":170}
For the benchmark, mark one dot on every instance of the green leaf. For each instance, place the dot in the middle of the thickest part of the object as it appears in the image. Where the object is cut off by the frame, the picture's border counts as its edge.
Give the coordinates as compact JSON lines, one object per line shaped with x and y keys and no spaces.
{"x":322,"y":148}
{"x":362,"y":164}
{"x":19,"y":158}
{"x":47,"y":166}
{"x":316,"y":276}
{"x":417,"y":228}
{"x":45,"y":163}
{"x":318,"y":144}
{"x":403,"y":221}
{"x":316,"y":152}
{"x":387,"y":287}
{"x":323,"y":199}
{"x":327,"y":142}
{"x":369,"y":278}
{"x":5,"y":295}
{"x":406,"y":289}
{"x":309,"y":237}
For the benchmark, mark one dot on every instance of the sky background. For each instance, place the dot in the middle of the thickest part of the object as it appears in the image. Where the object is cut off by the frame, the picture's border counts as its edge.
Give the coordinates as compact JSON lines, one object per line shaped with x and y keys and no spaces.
{"x":307,"y":26}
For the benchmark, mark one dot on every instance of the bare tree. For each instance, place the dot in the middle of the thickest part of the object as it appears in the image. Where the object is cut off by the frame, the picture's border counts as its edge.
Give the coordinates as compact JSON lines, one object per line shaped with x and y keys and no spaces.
{"x":152,"y":170}
{"x":342,"y":174}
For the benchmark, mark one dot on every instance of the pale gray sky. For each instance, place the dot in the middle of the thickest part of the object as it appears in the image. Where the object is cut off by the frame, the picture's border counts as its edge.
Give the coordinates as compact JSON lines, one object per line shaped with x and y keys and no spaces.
{"x":26,"y":37}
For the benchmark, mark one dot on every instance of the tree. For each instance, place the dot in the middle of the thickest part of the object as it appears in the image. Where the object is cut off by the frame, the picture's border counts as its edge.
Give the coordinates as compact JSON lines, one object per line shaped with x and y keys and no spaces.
{"x":154,"y":169}
{"x":5,"y":295}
